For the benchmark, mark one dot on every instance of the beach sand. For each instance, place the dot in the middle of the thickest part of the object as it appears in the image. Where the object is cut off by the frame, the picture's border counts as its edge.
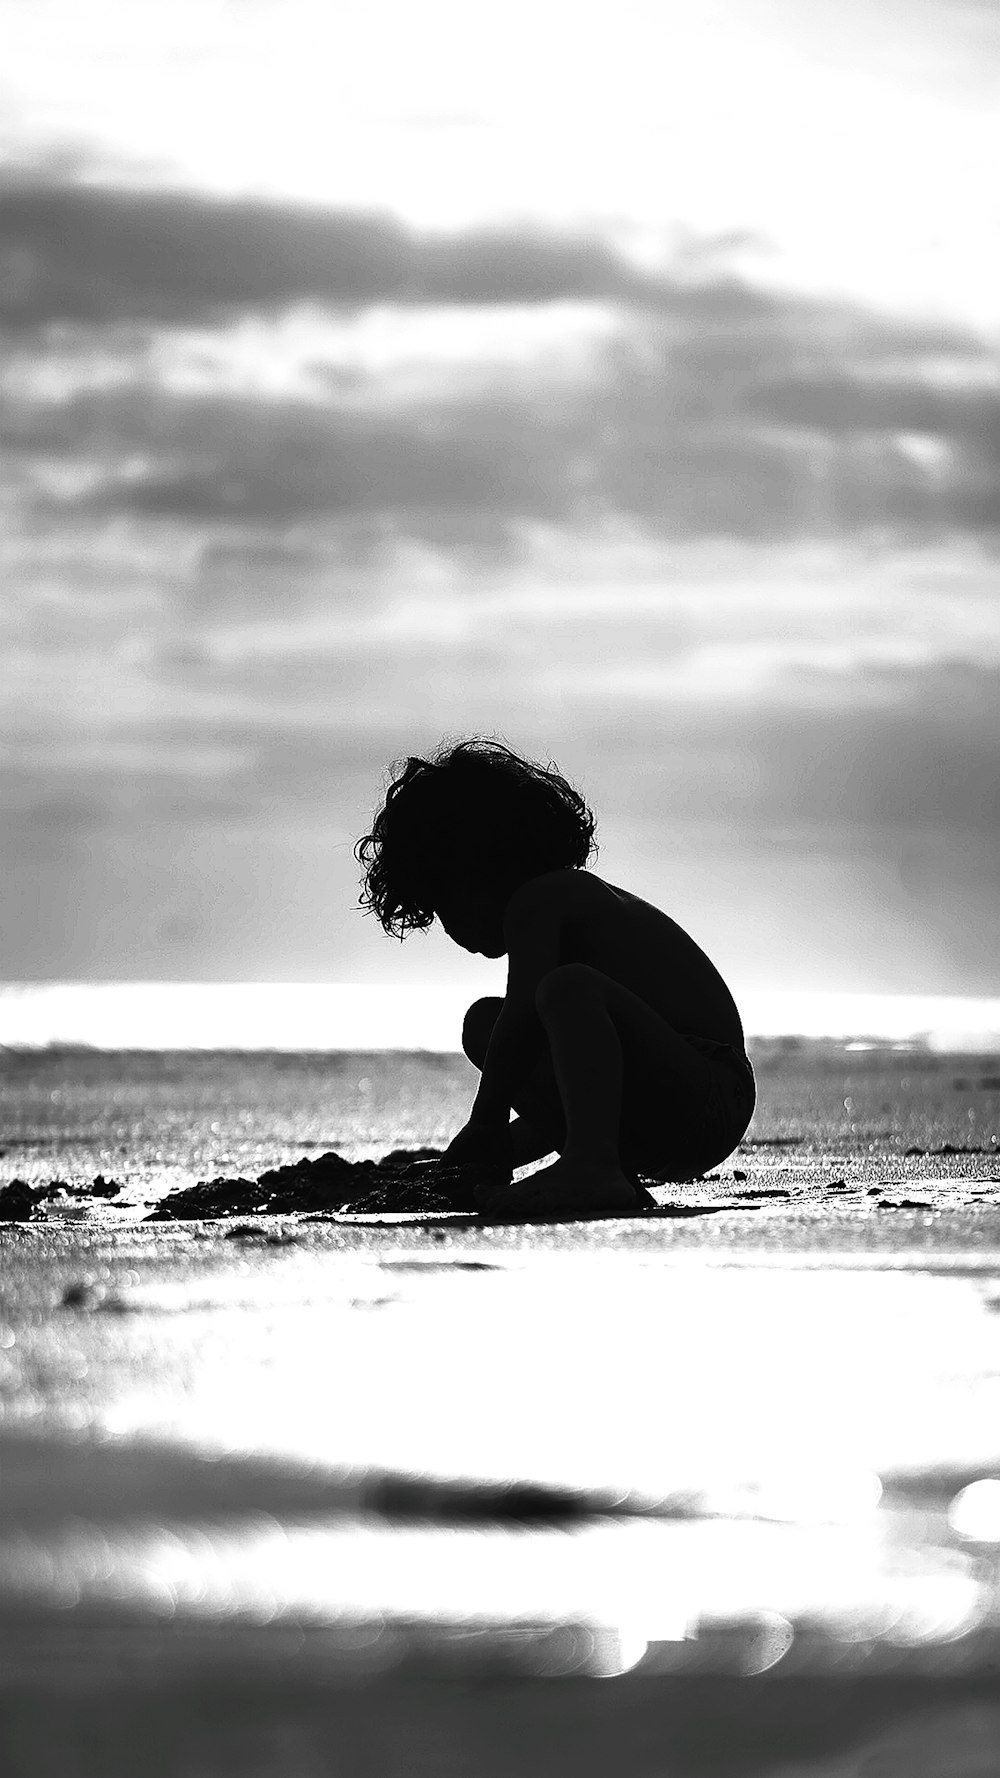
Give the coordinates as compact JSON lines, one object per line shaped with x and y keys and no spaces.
{"x":712,"y":1490}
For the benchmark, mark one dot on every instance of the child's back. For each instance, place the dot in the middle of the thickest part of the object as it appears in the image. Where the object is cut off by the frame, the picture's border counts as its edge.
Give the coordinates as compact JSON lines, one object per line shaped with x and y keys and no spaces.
{"x":641,"y":947}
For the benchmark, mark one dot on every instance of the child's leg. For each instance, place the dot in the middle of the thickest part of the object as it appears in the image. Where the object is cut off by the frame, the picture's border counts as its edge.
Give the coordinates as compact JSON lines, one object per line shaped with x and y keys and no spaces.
{"x":626,"y":1079}
{"x":538,"y":1129}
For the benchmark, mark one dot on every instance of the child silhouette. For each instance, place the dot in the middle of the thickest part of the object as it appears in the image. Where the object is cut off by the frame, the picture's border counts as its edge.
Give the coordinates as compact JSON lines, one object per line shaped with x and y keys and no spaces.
{"x":617,"y":1043}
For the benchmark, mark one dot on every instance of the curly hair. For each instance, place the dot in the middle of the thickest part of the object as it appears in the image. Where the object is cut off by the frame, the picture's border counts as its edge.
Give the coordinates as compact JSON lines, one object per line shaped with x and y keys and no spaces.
{"x":474,"y":809}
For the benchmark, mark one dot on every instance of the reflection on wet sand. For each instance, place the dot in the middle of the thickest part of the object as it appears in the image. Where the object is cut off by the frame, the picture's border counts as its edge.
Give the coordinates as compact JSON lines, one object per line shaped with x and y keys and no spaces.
{"x":713,"y":1489}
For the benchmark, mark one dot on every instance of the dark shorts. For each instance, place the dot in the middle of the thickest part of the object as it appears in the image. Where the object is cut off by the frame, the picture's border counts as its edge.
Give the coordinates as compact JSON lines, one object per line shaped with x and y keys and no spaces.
{"x":714,"y":1120}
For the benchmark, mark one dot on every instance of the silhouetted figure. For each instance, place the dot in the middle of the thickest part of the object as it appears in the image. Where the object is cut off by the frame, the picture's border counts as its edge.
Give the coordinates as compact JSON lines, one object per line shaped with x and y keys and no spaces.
{"x":617,"y":1043}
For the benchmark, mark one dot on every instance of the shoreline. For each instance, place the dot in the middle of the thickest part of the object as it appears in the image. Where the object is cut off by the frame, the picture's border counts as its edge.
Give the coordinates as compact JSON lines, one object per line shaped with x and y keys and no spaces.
{"x":373,"y":1016}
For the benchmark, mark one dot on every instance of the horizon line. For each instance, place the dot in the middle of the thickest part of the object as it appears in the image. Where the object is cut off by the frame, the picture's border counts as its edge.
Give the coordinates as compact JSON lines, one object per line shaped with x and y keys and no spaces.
{"x":426,"y":1016}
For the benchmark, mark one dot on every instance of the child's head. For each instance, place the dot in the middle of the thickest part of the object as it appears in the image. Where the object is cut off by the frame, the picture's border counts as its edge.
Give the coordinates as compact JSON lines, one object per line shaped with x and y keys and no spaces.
{"x":475,"y":820}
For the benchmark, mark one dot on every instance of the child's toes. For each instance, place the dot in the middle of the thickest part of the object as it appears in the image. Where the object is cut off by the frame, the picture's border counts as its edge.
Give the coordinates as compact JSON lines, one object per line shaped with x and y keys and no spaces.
{"x":503,"y":1203}
{"x":490,"y":1193}
{"x":520,"y":1204}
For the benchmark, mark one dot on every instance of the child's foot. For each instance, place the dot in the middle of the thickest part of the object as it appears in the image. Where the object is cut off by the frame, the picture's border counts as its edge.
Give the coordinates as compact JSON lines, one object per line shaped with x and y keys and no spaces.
{"x":461,"y":1184}
{"x":566,"y":1190}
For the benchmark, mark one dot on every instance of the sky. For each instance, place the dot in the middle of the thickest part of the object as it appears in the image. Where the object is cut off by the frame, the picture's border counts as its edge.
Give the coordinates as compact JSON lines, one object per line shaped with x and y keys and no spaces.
{"x":620,"y":380}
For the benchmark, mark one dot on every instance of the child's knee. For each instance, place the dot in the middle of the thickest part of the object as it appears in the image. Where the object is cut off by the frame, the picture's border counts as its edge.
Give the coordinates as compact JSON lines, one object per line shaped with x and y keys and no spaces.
{"x":564,"y":986}
{"x":477,"y":1027}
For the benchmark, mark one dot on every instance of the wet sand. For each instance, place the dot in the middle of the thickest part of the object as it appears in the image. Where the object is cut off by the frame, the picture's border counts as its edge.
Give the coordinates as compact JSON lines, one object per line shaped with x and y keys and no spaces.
{"x":714,"y":1489}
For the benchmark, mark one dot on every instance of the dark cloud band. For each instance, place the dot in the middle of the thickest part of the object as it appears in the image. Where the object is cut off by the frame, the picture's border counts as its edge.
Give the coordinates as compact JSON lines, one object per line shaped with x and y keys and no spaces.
{"x":86,"y":253}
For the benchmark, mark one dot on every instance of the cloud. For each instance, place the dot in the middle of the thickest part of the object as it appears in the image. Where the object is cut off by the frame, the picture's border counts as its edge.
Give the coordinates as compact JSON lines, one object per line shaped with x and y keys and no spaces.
{"x":81,"y":252}
{"x":229,"y":762}
{"x":278,"y":464}
{"x":845,"y":404}
{"x":267,"y":724}
{"x":688,"y":446}
{"x":706,"y":408}
{"x":86,"y":253}
{"x":722,"y":412}
{"x":869,"y":423}
{"x":677,"y":556}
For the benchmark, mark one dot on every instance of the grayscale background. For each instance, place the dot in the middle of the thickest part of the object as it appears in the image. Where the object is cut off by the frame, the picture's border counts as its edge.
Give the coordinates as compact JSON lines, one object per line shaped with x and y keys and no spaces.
{"x":618,"y":379}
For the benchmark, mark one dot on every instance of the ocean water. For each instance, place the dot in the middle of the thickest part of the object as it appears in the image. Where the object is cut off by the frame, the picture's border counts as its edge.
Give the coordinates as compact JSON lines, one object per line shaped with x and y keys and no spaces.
{"x":426,"y":1016}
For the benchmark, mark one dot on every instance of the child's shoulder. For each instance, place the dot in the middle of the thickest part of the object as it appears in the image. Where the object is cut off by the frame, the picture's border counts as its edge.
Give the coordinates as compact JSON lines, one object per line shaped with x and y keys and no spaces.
{"x":557,"y":891}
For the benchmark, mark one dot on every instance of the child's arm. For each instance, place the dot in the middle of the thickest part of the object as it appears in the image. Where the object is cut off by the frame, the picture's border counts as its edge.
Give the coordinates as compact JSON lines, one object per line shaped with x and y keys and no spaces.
{"x":533,"y":930}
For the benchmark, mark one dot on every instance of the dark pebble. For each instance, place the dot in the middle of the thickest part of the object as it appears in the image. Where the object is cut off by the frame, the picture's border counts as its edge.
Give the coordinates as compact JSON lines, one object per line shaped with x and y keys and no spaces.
{"x":82,"y":1295}
{"x":411,"y":1497}
{"x":739,"y":1174}
{"x":18,"y":1200}
{"x":210,"y":1198}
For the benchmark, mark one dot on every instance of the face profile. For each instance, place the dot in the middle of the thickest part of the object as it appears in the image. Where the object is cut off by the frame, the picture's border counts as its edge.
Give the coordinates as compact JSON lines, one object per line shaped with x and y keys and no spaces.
{"x":472,"y":919}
